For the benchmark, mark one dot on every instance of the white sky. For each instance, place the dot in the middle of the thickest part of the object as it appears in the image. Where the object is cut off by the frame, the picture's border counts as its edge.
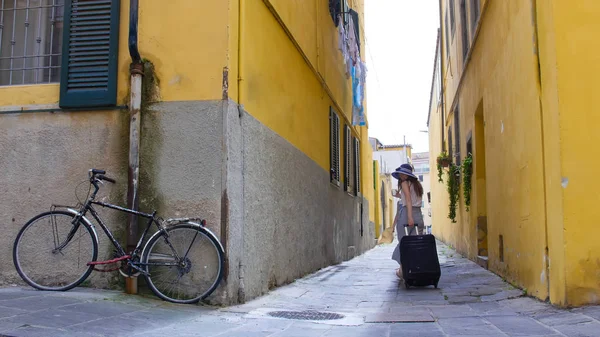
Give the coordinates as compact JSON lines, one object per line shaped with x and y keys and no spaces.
{"x":401,"y":36}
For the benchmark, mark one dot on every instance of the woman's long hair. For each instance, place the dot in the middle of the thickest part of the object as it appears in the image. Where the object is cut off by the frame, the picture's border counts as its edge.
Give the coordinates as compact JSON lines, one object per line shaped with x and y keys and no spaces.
{"x":416,"y":183}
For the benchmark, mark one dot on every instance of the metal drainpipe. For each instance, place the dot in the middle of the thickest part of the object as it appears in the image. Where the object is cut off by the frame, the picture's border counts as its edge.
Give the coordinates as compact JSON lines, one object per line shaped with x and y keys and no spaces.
{"x":136,"y":69}
{"x":442,"y":49}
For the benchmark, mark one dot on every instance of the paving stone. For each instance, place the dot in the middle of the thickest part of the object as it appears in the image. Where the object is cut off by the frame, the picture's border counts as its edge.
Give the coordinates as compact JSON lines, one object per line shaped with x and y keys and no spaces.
{"x":103,"y":308}
{"x":12,"y":293}
{"x":117,"y":326}
{"x":10,"y":312}
{"x":53,"y":318}
{"x":34,"y":303}
{"x":591,"y":311}
{"x":520,"y":326}
{"x":462,"y":299}
{"x":32,"y":331}
{"x":416,"y":330}
{"x":366,"y":330}
{"x":449,"y":311}
{"x":491,"y":308}
{"x":463,"y":326}
{"x":411,"y":317}
{"x":591,"y":329}
{"x":563,"y":318}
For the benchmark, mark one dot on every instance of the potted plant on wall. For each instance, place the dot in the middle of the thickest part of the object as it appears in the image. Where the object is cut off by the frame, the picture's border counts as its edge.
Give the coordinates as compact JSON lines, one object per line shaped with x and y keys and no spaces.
{"x":443,"y":160}
{"x":453,"y":185}
{"x":467,"y":171}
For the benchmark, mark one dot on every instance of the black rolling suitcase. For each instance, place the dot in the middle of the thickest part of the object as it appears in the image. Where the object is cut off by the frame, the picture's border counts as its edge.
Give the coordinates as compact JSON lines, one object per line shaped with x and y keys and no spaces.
{"x":420,"y":263}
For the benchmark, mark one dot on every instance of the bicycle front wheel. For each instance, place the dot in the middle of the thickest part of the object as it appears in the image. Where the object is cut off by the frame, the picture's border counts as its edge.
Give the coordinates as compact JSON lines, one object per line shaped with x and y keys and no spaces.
{"x":185,"y":263}
{"x":49,"y":254}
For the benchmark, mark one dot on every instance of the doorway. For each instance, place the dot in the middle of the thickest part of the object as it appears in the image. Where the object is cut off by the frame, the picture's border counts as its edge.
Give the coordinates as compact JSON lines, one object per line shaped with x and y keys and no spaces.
{"x":480,"y":187}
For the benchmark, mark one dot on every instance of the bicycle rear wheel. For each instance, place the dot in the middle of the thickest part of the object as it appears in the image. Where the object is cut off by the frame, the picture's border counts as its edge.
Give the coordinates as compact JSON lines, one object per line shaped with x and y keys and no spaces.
{"x":185,"y":263}
{"x":43,"y":263}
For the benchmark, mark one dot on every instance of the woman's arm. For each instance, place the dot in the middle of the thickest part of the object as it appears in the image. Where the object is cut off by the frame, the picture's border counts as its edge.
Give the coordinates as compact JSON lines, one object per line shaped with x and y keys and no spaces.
{"x":408,"y":203}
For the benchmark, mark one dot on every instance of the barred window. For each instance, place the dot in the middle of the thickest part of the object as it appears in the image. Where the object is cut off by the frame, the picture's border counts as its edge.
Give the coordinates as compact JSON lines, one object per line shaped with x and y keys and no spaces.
{"x":31,"y":36}
{"x":334,"y":147}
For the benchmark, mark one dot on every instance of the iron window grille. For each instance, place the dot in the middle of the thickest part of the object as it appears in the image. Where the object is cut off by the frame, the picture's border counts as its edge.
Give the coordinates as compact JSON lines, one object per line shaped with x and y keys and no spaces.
{"x":31,"y":34}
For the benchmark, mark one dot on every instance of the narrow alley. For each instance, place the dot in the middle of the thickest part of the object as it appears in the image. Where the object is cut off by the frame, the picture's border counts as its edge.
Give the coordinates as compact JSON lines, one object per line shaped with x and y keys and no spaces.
{"x":360,"y":297}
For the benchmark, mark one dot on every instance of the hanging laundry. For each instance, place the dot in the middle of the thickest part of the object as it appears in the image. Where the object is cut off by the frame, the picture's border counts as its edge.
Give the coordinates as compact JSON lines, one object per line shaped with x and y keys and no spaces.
{"x":358,"y":117}
{"x":342,"y":37}
{"x":352,"y":45}
{"x":343,"y":45}
{"x":356,"y":26}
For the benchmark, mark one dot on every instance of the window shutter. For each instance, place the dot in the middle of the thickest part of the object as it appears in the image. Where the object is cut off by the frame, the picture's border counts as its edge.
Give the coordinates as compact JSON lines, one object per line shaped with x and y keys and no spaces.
{"x":90,"y":54}
{"x":347,"y":162}
{"x":334,"y":142}
{"x":356,"y":166}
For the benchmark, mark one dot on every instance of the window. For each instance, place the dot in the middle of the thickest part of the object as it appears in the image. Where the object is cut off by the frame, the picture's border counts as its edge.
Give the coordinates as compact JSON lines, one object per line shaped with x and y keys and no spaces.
{"x":334,"y":147}
{"x":464,"y":29}
{"x":469,"y":143}
{"x":457,"y":134}
{"x":31,"y":34}
{"x":334,"y":10}
{"x":344,"y":11}
{"x":348,"y":162}
{"x":474,"y":16}
{"x":452,"y":24}
{"x":450,"y":149}
{"x":356,"y":157}
{"x":338,"y":7}
{"x":447,"y":37}
{"x":38,"y":36}
{"x":422,"y":168}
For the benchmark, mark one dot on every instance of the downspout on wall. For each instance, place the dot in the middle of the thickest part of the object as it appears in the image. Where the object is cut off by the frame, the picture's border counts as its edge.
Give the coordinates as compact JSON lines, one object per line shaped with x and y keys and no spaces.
{"x":136,"y":69}
{"x":240,"y":103}
{"x":442,"y":53}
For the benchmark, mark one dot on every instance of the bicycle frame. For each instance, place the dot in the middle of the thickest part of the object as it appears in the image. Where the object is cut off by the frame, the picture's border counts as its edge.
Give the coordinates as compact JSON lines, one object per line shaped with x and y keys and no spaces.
{"x":88,"y":207}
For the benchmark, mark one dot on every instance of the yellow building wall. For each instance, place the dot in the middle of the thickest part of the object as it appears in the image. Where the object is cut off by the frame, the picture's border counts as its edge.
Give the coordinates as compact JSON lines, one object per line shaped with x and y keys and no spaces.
{"x":577,"y":69}
{"x":285,"y":90}
{"x":164,"y":39}
{"x":377,"y":200}
{"x":366,"y":170}
{"x":511,"y":110}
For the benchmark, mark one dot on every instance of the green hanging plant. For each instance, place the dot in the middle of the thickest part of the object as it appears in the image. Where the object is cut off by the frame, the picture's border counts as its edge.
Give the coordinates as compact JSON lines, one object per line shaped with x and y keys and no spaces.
{"x":453,"y":190}
{"x":467,"y":171}
{"x":443,"y":160}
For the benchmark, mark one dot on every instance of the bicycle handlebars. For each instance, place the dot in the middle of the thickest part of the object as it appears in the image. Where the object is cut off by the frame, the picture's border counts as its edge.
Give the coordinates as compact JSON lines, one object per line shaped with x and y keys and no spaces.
{"x":100,"y":175}
{"x":105,"y":178}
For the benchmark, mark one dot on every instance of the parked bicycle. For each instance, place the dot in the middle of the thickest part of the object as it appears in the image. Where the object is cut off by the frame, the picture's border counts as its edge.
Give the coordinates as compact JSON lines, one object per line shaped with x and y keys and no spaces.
{"x":182,"y":261}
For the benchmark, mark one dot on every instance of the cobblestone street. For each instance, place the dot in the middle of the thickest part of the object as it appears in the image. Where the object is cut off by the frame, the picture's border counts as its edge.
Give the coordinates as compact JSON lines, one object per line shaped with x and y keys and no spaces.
{"x":361,"y":297}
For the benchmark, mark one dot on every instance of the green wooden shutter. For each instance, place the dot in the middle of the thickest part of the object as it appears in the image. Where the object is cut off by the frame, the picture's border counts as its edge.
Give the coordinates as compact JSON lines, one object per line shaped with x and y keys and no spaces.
{"x":356,"y":166}
{"x":90,"y":54}
{"x":334,"y":146}
{"x":347,"y":162}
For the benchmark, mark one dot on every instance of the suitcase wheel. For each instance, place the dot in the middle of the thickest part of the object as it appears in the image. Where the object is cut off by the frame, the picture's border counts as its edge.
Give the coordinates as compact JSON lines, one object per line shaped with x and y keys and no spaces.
{"x":406,"y":285}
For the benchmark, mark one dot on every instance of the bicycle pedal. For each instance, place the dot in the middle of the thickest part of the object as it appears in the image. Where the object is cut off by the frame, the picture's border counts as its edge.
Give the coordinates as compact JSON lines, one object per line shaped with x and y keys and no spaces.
{"x":138,"y":269}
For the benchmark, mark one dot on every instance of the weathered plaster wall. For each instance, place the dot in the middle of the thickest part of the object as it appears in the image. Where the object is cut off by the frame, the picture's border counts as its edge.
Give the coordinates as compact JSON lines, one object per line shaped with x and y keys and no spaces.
{"x":295,"y":222}
{"x":180,"y":160}
{"x":43,"y":158}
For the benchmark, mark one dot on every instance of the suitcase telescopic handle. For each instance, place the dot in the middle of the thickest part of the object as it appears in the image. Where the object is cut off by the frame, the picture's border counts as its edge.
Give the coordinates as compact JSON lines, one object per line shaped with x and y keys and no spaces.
{"x":406,"y":229}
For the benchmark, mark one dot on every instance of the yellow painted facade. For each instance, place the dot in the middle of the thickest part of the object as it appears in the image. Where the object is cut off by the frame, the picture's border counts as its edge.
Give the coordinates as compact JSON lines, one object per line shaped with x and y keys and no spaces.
{"x":289,"y":90}
{"x":179,"y":61}
{"x":521,"y":98}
